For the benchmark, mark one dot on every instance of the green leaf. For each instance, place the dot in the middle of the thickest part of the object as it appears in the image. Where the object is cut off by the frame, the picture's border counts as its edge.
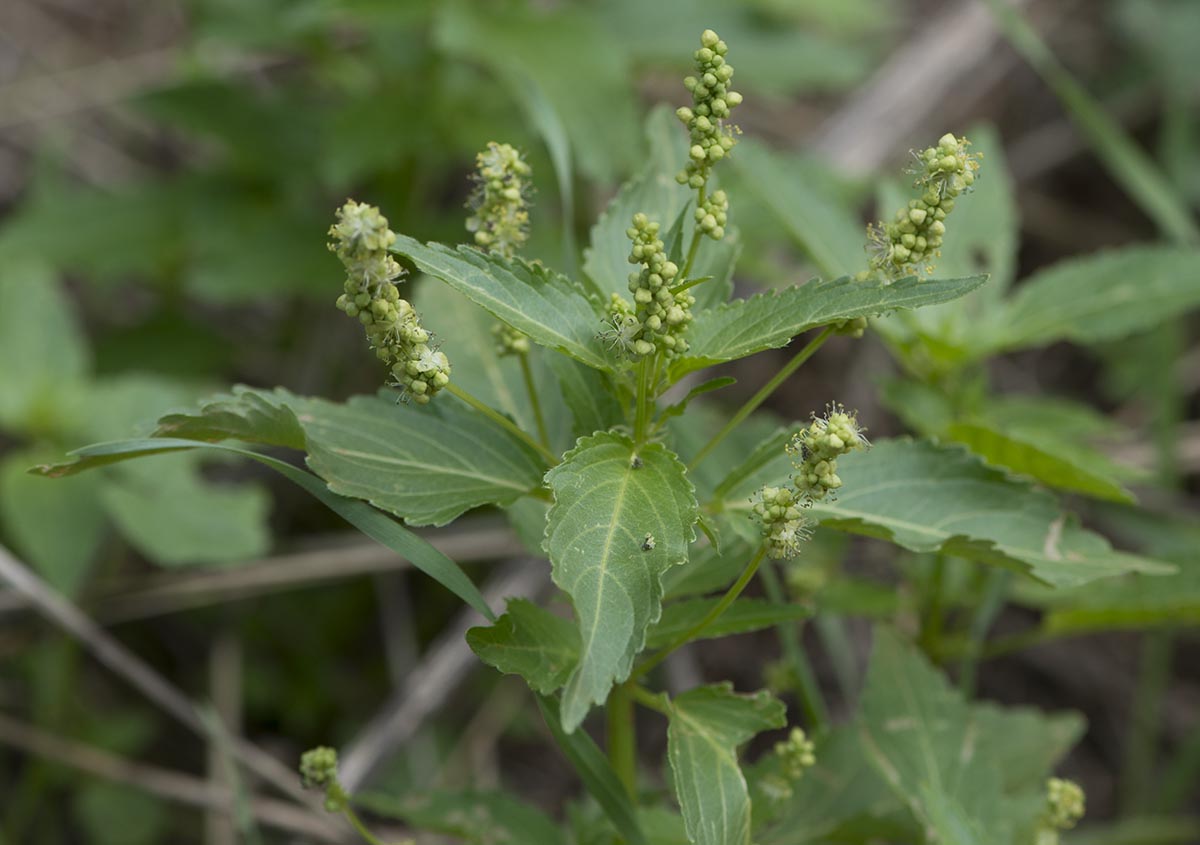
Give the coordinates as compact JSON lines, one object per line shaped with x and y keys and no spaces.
{"x":1103,"y":296}
{"x":828,"y":232}
{"x":34,"y":513}
{"x":376,"y":525}
{"x":595,"y":772}
{"x":605,"y":505}
{"x":929,"y":498}
{"x":712,"y":384}
{"x":1012,"y":451}
{"x":587,"y":394}
{"x":482,"y":818}
{"x":706,"y":726}
{"x":655,"y":193}
{"x":742,"y":617}
{"x":531,"y":642}
{"x":550,"y":308}
{"x":41,"y":344}
{"x":960,"y":770}
{"x":770,"y":320}
{"x":427,"y":464}
{"x":255,"y":416}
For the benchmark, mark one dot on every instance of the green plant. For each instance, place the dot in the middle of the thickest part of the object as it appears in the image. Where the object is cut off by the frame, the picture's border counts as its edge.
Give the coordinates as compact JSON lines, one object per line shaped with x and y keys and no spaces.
{"x":616,"y":469}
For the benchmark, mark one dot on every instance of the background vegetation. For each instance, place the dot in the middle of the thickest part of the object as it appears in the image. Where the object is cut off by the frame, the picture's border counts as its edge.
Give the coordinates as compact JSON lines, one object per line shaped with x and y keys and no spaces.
{"x":168,"y":171}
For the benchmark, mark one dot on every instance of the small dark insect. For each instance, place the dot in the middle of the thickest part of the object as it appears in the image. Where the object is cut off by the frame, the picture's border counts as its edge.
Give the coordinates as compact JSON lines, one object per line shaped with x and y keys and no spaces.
{"x":648,"y":543}
{"x":635,"y":462}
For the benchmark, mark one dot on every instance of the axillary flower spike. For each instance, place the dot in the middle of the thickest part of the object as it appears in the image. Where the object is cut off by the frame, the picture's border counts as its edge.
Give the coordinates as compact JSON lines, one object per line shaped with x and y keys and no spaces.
{"x":361,"y":238}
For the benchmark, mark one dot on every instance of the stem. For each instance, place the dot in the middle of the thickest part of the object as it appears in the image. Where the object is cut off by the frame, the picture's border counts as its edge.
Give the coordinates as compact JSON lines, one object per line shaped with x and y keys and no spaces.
{"x":531,"y":389}
{"x":622,"y":738}
{"x":1154,"y":677}
{"x":994,"y":592}
{"x":642,"y":403}
{"x":934,"y":616}
{"x":758,"y":398}
{"x":358,"y":825}
{"x":712,"y":616}
{"x":696,"y":235}
{"x":811,"y":700}
{"x":502,"y":421}
{"x":650,"y":701}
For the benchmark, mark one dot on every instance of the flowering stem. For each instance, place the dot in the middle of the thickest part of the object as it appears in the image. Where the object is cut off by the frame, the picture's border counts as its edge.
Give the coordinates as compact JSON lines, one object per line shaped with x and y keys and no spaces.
{"x":531,"y":389}
{"x":358,"y":825}
{"x":696,"y":235}
{"x":643,"y":400}
{"x":709,"y":618}
{"x":811,"y":700}
{"x":502,"y":421}
{"x":761,"y":396}
{"x":622,"y":739}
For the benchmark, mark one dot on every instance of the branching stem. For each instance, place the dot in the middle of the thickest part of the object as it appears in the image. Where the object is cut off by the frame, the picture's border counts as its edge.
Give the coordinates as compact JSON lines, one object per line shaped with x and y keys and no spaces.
{"x":502,"y":421}
{"x":534,"y":401}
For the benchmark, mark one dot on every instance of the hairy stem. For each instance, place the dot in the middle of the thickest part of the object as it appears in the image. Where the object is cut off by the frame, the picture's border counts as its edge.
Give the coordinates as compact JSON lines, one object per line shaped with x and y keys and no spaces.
{"x":811,"y":700}
{"x":761,"y":396}
{"x":502,"y":421}
{"x":535,"y":403}
{"x":622,"y":738}
{"x":709,"y":618}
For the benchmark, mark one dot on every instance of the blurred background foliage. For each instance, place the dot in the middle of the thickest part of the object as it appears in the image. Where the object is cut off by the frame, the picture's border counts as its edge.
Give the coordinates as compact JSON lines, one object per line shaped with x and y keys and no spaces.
{"x":167,"y":174}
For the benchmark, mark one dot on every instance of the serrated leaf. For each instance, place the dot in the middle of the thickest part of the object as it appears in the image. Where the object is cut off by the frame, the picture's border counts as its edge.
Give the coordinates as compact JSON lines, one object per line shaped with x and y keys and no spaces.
{"x":655,"y":193}
{"x":706,"y":726}
{"x":770,"y":320}
{"x":1100,"y":297}
{"x":741,"y":617}
{"x":254,"y":416}
{"x":549,"y":307}
{"x":950,"y":763}
{"x":587,"y":395}
{"x":531,"y":642}
{"x":604,"y":508}
{"x":928,"y":498}
{"x":1009,"y":450}
{"x":427,"y":464}
{"x":376,"y":525}
{"x":483,"y":818}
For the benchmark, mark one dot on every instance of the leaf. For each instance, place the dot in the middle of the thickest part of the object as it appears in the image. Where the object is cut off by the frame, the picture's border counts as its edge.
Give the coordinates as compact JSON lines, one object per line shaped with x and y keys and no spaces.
{"x":427,"y":464}
{"x":712,"y":384}
{"x":245,"y":413}
{"x":706,"y":726}
{"x":548,"y":307}
{"x":770,"y":320}
{"x":603,"y":510}
{"x":595,"y":772}
{"x":1103,"y":296}
{"x":828,"y":232}
{"x":742,"y":617}
{"x":531,"y":642}
{"x":376,"y":525}
{"x":929,"y":498}
{"x":1014,"y":452}
{"x":483,"y":818}
{"x":587,"y":394}
{"x":41,"y":344}
{"x":950,"y":763}
{"x":655,"y":193}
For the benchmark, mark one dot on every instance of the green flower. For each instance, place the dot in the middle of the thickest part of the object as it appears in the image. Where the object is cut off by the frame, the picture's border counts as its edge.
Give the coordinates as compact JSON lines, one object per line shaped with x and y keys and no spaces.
{"x":1065,"y":804}
{"x":712,"y":100}
{"x":784,"y":527}
{"x":509,"y":341}
{"x":500,"y":200}
{"x":660,"y":316}
{"x":318,"y":767}
{"x":819,"y":445}
{"x":796,"y":754}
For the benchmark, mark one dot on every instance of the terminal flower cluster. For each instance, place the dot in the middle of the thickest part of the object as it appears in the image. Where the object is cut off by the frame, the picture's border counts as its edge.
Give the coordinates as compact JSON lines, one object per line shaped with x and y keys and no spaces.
{"x":712,"y":101}
{"x":500,"y":200}
{"x":909,"y":243}
{"x":361,"y":238}
{"x":659,"y":315}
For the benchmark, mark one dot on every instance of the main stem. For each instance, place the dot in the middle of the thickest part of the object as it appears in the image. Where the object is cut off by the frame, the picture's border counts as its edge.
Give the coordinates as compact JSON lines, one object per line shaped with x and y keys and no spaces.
{"x":622,"y":738}
{"x":531,"y":389}
{"x":761,"y":396}
{"x":811,"y":700}
{"x":502,"y":421}
{"x":709,"y":618}
{"x":696,"y":235}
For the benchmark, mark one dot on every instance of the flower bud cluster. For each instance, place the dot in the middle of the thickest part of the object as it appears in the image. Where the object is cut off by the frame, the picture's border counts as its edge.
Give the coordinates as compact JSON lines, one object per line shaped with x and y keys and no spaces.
{"x":1064,"y":804}
{"x":784,"y":526}
{"x":360,"y":239}
{"x":819,"y":445}
{"x":712,"y":101}
{"x":661,"y":316}
{"x":796,"y":754}
{"x":909,"y":243}
{"x":712,"y":214}
{"x":318,"y":770}
{"x":509,"y":341}
{"x":500,"y":200}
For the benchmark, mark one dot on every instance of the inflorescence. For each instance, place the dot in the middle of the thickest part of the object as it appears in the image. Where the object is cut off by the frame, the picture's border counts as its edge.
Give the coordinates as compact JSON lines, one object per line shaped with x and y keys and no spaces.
{"x":361,"y":238}
{"x":318,"y":770}
{"x":500,"y":201}
{"x":712,"y":101}
{"x":658,"y":317}
{"x":908,"y":244}
{"x":815,"y":450}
